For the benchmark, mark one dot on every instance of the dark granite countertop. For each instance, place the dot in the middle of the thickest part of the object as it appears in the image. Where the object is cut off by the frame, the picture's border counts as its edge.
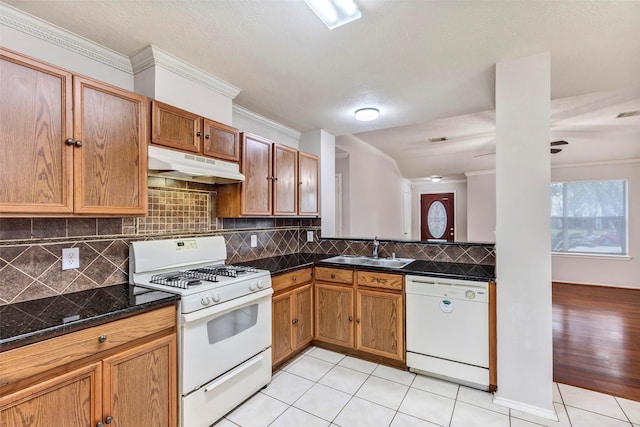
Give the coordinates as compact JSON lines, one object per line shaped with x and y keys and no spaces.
{"x":30,"y":321}
{"x":452,"y":270}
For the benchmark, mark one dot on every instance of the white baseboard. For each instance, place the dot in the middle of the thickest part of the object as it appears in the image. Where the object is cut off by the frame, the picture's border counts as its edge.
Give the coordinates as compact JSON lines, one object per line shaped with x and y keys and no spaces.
{"x":549,"y":414}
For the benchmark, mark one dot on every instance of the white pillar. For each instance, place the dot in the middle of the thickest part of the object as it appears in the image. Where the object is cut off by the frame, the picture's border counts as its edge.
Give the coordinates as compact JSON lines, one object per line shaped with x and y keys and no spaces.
{"x":523,"y":230}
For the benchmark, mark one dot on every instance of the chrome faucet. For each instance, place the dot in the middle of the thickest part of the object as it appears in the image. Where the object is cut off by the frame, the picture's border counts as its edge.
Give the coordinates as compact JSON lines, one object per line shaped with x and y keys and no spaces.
{"x":375,"y":247}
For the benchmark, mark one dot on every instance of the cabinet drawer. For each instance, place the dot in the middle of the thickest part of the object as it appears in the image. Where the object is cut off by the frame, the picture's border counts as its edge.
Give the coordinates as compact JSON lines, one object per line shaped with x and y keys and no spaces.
{"x":23,"y":362}
{"x":336,"y":275}
{"x":380,"y":280}
{"x":286,"y":280}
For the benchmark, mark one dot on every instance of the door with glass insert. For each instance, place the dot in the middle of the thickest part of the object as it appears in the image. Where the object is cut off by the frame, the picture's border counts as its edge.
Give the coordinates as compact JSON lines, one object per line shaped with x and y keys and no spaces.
{"x":436,"y":217}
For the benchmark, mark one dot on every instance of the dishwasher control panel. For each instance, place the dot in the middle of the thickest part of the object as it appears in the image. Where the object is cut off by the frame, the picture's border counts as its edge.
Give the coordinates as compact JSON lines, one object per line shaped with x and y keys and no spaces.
{"x":447,"y":288}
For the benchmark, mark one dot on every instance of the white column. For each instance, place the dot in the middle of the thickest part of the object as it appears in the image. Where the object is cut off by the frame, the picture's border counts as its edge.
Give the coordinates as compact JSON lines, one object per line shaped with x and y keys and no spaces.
{"x":525,"y":345}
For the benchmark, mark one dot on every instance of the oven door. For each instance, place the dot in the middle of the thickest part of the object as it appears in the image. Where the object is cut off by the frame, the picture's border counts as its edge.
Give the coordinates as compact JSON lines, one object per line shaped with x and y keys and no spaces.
{"x":217,"y":339}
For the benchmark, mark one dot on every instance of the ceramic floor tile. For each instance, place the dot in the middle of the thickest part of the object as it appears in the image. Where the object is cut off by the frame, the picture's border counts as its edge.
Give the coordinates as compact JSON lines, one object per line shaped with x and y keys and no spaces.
{"x":358,"y":364}
{"x":323,"y":401}
{"x":561,"y":412}
{"x":435,"y":385}
{"x":383,"y":392}
{"x":582,"y":418}
{"x":631,"y":409}
{"x":591,"y":401}
{"x":294,"y":417}
{"x":480,"y":398}
{"x":516,"y":422}
{"x":259,"y":411}
{"x":344,"y":379}
{"x":309,"y":367}
{"x":287,"y":387}
{"x":466,"y":415}
{"x":326,"y":355}
{"x":393,"y":374}
{"x":225,"y":423}
{"x":428,"y":406}
{"x":556,"y":394}
{"x":404,"y":420}
{"x":362,"y":413}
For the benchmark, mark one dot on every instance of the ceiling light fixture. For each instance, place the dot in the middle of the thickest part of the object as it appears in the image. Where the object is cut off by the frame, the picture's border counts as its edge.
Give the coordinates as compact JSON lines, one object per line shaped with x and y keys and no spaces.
{"x":435,"y":178}
{"x":367,"y":114}
{"x":334,"y":12}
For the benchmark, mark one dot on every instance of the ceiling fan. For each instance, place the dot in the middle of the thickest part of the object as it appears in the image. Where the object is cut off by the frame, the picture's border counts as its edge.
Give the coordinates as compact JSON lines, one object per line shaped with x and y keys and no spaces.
{"x":552,"y":144}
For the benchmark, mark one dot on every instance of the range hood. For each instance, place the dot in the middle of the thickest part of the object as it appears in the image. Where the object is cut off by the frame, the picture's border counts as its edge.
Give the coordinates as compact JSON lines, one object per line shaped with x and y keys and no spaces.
{"x":189,"y":167}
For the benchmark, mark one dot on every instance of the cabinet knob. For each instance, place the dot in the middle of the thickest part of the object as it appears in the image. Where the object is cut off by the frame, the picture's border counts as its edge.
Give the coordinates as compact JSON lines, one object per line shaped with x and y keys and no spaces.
{"x":207,"y":137}
{"x":198,"y":133}
{"x":108,"y":420}
{"x":378,"y":279}
{"x":350,"y":318}
{"x":294,"y":278}
{"x":102,"y":338}
{"x":78,"y":143}
{"x":294,"y":321}
{"x":358,"y":321}
{"x":333,"y":275}
{"x":100,"y":424}
{"x":69,"y":141}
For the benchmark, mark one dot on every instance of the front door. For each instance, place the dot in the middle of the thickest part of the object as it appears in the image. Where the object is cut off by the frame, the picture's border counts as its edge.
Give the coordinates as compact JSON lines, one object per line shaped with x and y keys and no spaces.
{"x":436,"y":217}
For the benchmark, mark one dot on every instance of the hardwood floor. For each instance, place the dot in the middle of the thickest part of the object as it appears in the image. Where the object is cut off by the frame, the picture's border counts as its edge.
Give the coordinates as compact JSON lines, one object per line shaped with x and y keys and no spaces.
{"x":596,"y":338}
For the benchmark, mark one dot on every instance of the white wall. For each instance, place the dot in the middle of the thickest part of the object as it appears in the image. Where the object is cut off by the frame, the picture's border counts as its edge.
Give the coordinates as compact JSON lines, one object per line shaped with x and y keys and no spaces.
{"x":323,"y":145}
{"x":523,"y":226}
{"x":481,"y":206}
{"x":459,"y":190}
{"x":374,"y":201}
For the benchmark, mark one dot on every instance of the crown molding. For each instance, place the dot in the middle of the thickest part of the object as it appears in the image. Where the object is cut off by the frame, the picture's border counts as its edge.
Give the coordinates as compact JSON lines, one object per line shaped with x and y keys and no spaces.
{"x":601,"y":163}
{"x":279,"y":127}
{"x":152,"y":56}
{"x":485,"y":172}
{"x":36,"y":27}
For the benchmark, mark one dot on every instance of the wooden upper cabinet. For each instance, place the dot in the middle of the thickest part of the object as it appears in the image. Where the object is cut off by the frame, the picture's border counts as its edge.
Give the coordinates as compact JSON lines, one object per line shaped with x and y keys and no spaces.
{"x":221,"y":141}
{"x":69,"y":144}
{"x":185,"y":131}
{"x":35,"y":119}
{"x":285,"y":171}
{"x":308,"y":184}
{"x":175,"y":128}
{"x":256,"y":166}
{"x":111,"y":164}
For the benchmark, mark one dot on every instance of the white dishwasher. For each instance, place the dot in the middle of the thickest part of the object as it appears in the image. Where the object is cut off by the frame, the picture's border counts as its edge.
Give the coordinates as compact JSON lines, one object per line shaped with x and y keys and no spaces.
{"x":448,"y":329}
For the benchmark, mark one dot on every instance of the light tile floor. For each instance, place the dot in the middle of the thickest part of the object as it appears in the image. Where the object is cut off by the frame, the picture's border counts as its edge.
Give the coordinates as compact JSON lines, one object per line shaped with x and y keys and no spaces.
{"x":322,"y":388}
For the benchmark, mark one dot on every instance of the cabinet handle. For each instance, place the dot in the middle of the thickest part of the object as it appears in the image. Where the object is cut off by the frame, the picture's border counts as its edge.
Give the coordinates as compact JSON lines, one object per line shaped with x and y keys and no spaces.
{"x":358,"y":321}
{"x":350,"y":318}
{"x":333,"y":275}
{"x":69,"y":141}
{"x":207,"y":137}
{"x":378,"y":279}
{"x":198,"y":133}
{"x":275,"y":178}
{"x":78,"y":143}
{"x":294,"y":278}
{"x":102,"y":338}
{"x":108,"y":420}
{"x":100,"y":424}
{"x":294,"y":321}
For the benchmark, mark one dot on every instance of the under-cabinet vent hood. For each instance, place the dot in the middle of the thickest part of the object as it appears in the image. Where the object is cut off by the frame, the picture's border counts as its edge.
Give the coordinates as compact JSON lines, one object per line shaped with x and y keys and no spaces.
{"x":189,"y":167}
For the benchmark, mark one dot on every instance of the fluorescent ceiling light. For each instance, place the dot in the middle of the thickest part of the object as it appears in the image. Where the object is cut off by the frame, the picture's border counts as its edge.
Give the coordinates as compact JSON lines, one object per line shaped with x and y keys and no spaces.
{"x":334,"y":12}
{"x":435,"y":178}
{"x":367,"y":114}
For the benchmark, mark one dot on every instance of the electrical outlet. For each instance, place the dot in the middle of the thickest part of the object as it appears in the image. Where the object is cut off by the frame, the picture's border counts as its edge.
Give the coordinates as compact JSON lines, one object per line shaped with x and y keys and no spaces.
{"x":254,"y":240}
{"x":70,"y":258}
{"x":309,"y":236}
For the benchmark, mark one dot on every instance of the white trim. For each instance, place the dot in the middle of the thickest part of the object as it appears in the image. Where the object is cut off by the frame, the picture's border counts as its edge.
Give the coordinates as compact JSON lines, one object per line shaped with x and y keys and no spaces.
{"x":152,"y":56}
{"x":278,"y":127}
{"x":418,"y":181}
{"x":36,"y":27}
{"x":549,"y":414}
{"x":487,"y":172}
{"x":592,"y":255}
{"x":603,"y":163}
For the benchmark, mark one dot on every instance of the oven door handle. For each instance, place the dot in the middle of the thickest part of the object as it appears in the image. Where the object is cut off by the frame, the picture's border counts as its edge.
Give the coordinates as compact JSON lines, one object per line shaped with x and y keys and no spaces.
{"x":226,"y":306}
{"x":226,"y":377}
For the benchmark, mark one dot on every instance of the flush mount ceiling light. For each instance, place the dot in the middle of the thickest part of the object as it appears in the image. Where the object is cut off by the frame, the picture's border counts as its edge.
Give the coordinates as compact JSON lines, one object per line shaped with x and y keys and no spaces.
{"x":334,"y":12}
{"x":367,"y":114}
{"x":435,"y":178}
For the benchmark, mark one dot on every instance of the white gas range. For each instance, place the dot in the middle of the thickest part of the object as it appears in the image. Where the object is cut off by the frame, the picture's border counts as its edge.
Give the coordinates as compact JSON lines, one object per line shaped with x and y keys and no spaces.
{"x":224,"y":322}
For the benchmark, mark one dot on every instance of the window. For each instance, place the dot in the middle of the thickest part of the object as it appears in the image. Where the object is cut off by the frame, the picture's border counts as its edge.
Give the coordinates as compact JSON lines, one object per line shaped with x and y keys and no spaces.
{"x":589,"y":217}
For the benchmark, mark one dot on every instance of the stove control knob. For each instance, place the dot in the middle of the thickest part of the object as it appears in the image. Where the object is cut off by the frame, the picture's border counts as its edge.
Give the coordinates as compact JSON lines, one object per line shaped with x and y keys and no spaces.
{"x":253,"y":286}
{"x":216,"y":297}
{"x":205,"y":300}
{"x":260,"y":285}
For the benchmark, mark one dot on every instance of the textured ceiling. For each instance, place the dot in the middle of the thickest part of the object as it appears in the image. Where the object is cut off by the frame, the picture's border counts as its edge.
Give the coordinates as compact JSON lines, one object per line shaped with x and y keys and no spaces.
{"x":429,"y":66}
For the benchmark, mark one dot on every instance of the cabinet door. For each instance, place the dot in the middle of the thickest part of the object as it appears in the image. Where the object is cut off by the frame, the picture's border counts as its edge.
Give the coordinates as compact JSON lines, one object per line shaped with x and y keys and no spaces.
{"x":140,"y":385}
{"x":379,"y":323}
{"x":303,"y":321}
{"x":256,"y":167}
{"x":308,"y":184}
{"x":110,"y":168}
{"x":282,"y":320}
{"x":334,"y":316}
{"x":221,"y":141}
{"x":35,"y":120}
{"x":69,"y":400}
{"x":285,"y":170}
{"x":175,"y":128}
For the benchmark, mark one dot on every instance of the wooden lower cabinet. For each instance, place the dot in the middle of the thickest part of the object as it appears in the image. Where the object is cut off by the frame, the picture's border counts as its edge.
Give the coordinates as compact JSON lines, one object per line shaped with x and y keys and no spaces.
{"x":379,"y":323}
{"x":292,"y":315}
{"x":133,"y":385}
{"x":334,"y":314}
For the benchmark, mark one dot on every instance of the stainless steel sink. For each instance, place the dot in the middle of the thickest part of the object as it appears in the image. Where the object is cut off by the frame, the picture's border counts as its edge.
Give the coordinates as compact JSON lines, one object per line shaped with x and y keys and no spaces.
{"x":370,"y":261}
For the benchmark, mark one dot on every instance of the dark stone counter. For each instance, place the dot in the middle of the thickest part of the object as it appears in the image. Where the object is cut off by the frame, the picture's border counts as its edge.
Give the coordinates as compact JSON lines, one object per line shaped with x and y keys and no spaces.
{"x":30,"y":321}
